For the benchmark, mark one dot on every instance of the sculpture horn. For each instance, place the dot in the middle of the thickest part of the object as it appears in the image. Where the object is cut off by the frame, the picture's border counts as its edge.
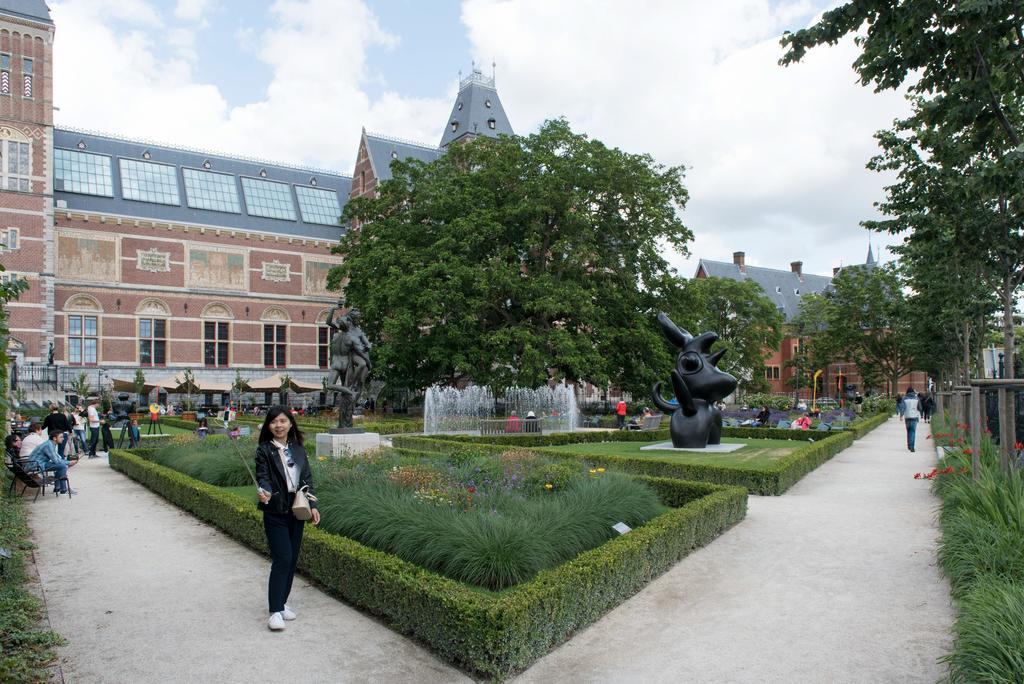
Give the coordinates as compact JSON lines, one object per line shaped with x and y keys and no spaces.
{"x":674,"y":333}
{"x":714,"y":358}
{"x":703,"y":342}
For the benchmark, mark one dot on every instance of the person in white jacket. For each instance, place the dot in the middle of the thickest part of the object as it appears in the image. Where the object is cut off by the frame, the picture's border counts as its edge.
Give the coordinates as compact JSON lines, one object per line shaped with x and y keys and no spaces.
{"x":911,"y":414}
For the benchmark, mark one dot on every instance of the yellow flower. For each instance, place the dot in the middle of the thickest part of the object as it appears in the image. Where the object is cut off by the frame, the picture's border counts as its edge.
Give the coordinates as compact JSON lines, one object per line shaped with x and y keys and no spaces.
{"x":600,"y":470}
{"x":321,"y":458}
{"x":592,"y":471}
{"x":549,"y":486}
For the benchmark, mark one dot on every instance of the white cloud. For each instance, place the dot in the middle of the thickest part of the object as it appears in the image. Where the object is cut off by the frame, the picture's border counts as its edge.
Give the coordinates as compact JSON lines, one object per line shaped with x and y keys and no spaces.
{"x":775,"y":155}
{"x":311,"y":113}
{"x":191,"y":10}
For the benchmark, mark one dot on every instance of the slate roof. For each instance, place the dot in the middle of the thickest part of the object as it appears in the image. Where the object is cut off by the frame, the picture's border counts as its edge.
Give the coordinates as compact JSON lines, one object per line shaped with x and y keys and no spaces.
{"x":118,"y":148}
{"x":477,"y":111}
{"x":384,"y":150}
{"x":27,"y":9}
{"x":783,"y":288}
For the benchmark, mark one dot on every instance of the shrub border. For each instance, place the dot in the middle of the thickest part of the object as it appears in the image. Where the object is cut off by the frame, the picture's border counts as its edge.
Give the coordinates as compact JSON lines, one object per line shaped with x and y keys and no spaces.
{"x":772,"y":481}
{"x":487,"y":633}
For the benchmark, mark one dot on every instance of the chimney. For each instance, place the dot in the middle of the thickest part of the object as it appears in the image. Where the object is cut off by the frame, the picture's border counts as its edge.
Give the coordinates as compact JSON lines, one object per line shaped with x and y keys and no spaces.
{"x":835,"y":271}
{"x":797,"y":267}
{"x":740,"y":259}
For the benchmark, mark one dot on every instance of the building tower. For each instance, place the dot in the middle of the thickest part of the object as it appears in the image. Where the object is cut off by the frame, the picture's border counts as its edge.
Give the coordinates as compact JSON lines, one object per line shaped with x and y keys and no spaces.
{"x":477,"y":111}
{"x":26,"y":186}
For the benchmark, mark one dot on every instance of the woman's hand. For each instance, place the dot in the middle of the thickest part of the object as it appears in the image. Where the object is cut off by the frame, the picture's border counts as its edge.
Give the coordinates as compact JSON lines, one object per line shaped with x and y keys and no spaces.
{"x":316,"y":516}
{"x":264,"y":496}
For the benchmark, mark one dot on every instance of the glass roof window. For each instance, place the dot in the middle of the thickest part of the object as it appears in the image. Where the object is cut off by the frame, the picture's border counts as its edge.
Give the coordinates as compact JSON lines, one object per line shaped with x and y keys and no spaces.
{"x":149,"y":182}
{"x":82,"y":172}
{"x":319,"y":206}
{"x":268,"y":198}
{"x":210,"y":190}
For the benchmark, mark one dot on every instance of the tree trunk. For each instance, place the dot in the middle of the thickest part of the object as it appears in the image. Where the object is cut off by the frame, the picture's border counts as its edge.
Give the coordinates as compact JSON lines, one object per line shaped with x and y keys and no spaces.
{"x":979,"y":360}
{"x":1009,"y":343}
{"x":967,"y":352}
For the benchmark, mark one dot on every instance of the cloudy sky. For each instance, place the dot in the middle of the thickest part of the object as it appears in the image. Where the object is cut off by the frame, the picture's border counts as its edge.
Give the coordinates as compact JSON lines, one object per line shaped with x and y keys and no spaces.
{"x":775,"y":156}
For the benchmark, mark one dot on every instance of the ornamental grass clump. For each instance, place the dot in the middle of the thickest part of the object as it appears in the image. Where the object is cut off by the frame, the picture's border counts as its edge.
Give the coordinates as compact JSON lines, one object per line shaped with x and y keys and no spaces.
{"x":213,"y":460}
{"x":489,"y":521}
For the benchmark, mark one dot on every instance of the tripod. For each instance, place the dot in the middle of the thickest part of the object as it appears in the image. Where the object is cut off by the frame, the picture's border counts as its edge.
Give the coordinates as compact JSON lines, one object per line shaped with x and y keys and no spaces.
{"x":154,"y":425}
{"x":125,"y":426}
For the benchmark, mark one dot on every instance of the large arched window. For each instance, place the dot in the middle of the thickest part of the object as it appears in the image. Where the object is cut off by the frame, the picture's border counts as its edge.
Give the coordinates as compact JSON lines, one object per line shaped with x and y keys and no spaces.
{"x":323,"y":340}
{"x":153,"y":314}
{"x":275,"y":337}
{"x":15,"y":160}
{"x":83,"y":329}
{"x":217,"y":334}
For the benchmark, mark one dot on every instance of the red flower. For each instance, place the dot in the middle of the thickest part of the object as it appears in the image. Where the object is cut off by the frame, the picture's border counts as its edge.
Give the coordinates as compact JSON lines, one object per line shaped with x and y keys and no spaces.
{"x":471,"y":490}
{"x":968,"y":451}
{"x":917,"y":476}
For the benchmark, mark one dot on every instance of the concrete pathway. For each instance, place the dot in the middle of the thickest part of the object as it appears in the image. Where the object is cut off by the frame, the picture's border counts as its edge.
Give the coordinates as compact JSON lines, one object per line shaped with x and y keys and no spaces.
{"x":834,"y":581}
{"x":146,"y":593}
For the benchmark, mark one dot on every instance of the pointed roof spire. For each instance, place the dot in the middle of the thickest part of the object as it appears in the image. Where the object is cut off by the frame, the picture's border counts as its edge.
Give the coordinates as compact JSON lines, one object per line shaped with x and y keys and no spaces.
{"x":870,"y":261}
{"x":477,"y":109}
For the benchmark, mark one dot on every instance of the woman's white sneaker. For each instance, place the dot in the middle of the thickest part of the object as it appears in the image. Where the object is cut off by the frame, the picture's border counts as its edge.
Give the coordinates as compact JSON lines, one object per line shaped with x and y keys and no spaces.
{"x":276,"y":622}
{"x":288,"y":613}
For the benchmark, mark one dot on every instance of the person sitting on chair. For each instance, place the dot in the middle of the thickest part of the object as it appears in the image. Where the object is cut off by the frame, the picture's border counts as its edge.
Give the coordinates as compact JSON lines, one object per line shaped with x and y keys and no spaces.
{"x":46,"y":457}
{"x":802,"y":423}
{"x":34,"y":438}
{"x":12,"y":447}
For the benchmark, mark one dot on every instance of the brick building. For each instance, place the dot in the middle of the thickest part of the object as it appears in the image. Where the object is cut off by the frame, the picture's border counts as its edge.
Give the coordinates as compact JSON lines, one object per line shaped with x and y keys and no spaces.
{"x":142,"y":255}
{"x":784,"y":289}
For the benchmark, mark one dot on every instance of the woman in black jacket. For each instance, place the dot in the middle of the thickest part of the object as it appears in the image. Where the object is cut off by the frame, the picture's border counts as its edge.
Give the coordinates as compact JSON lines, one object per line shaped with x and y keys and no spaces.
{"x":281,"y":470}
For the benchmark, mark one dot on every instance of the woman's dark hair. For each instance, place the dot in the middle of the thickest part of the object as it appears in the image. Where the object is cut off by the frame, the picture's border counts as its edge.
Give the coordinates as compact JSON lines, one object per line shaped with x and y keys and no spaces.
{"x":10,"y":439}
{"x":54,"y":432}
{"x":34,"y":427}
{"x":294,"y":433}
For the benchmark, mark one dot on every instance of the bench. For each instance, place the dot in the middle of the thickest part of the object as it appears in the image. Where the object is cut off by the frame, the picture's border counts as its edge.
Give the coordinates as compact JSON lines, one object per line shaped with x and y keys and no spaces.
{"x":504,"y":426}
{"x":648,"y":423}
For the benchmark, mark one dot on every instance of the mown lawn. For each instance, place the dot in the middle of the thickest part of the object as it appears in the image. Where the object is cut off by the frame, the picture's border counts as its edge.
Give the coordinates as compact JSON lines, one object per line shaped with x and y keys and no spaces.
{"x":757,"y":454}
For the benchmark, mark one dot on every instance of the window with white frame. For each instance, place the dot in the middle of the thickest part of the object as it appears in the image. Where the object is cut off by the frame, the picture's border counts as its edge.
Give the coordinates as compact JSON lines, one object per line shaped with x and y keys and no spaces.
{"x":152,"y":342}
{"x":15,"y":165}
{"x":83,"y":340}
{"x":8,"y":240}
{"x":26,"y":73}
{"x":5,"y":74}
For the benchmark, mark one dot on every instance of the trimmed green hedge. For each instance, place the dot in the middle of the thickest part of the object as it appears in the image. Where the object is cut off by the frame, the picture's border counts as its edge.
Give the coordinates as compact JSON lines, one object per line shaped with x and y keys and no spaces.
{"x":493,"y":634}
{"x":384,"y":427}
{"x":771,"y":481}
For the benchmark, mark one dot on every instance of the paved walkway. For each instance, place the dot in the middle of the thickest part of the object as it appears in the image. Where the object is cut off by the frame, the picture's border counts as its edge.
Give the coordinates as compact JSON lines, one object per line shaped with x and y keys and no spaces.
{"x":834,"y":581}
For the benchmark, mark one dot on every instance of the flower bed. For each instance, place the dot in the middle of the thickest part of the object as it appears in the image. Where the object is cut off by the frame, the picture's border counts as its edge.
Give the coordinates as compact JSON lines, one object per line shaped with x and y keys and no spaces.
{"x":767,"y":481}
{"x":492,"y":634}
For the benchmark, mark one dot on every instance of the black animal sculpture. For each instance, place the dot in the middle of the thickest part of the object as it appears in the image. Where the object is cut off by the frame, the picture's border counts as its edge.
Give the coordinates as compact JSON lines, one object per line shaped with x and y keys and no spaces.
{"x":698,"y":384}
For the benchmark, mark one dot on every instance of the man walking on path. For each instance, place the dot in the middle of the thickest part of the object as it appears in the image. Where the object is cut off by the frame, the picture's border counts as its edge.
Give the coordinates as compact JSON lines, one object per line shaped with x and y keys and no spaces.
{"x":620,"y":411}
{"x":911,"y":414}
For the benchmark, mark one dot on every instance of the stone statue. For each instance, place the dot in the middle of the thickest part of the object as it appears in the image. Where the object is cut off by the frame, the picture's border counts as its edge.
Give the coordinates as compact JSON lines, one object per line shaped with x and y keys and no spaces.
{"x":350,"y":361}
{"x":698,"y":384}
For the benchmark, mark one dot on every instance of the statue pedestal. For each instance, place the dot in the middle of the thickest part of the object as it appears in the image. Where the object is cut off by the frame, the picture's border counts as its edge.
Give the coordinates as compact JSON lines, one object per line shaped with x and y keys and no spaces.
{"x":709,"y":449}
{"x":348,"y":444}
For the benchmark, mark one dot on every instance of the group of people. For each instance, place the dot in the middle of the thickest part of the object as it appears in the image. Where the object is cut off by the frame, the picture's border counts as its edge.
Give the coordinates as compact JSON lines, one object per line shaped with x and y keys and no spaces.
{"x":45,"y":453}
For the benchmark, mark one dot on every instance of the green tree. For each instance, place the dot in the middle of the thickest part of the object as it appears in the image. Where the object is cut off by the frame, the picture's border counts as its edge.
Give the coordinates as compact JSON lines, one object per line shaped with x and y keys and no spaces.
{"x":80,"y":386}
{"x":748,"y":324}
{"x":9,"y":292}
{"x":510,"y":260}
{"x":963,"y":63}
{"x":238,"y":386}
{"x":188,"y":381}
{"x":139,"y":385}
{"x":868,"y":323}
